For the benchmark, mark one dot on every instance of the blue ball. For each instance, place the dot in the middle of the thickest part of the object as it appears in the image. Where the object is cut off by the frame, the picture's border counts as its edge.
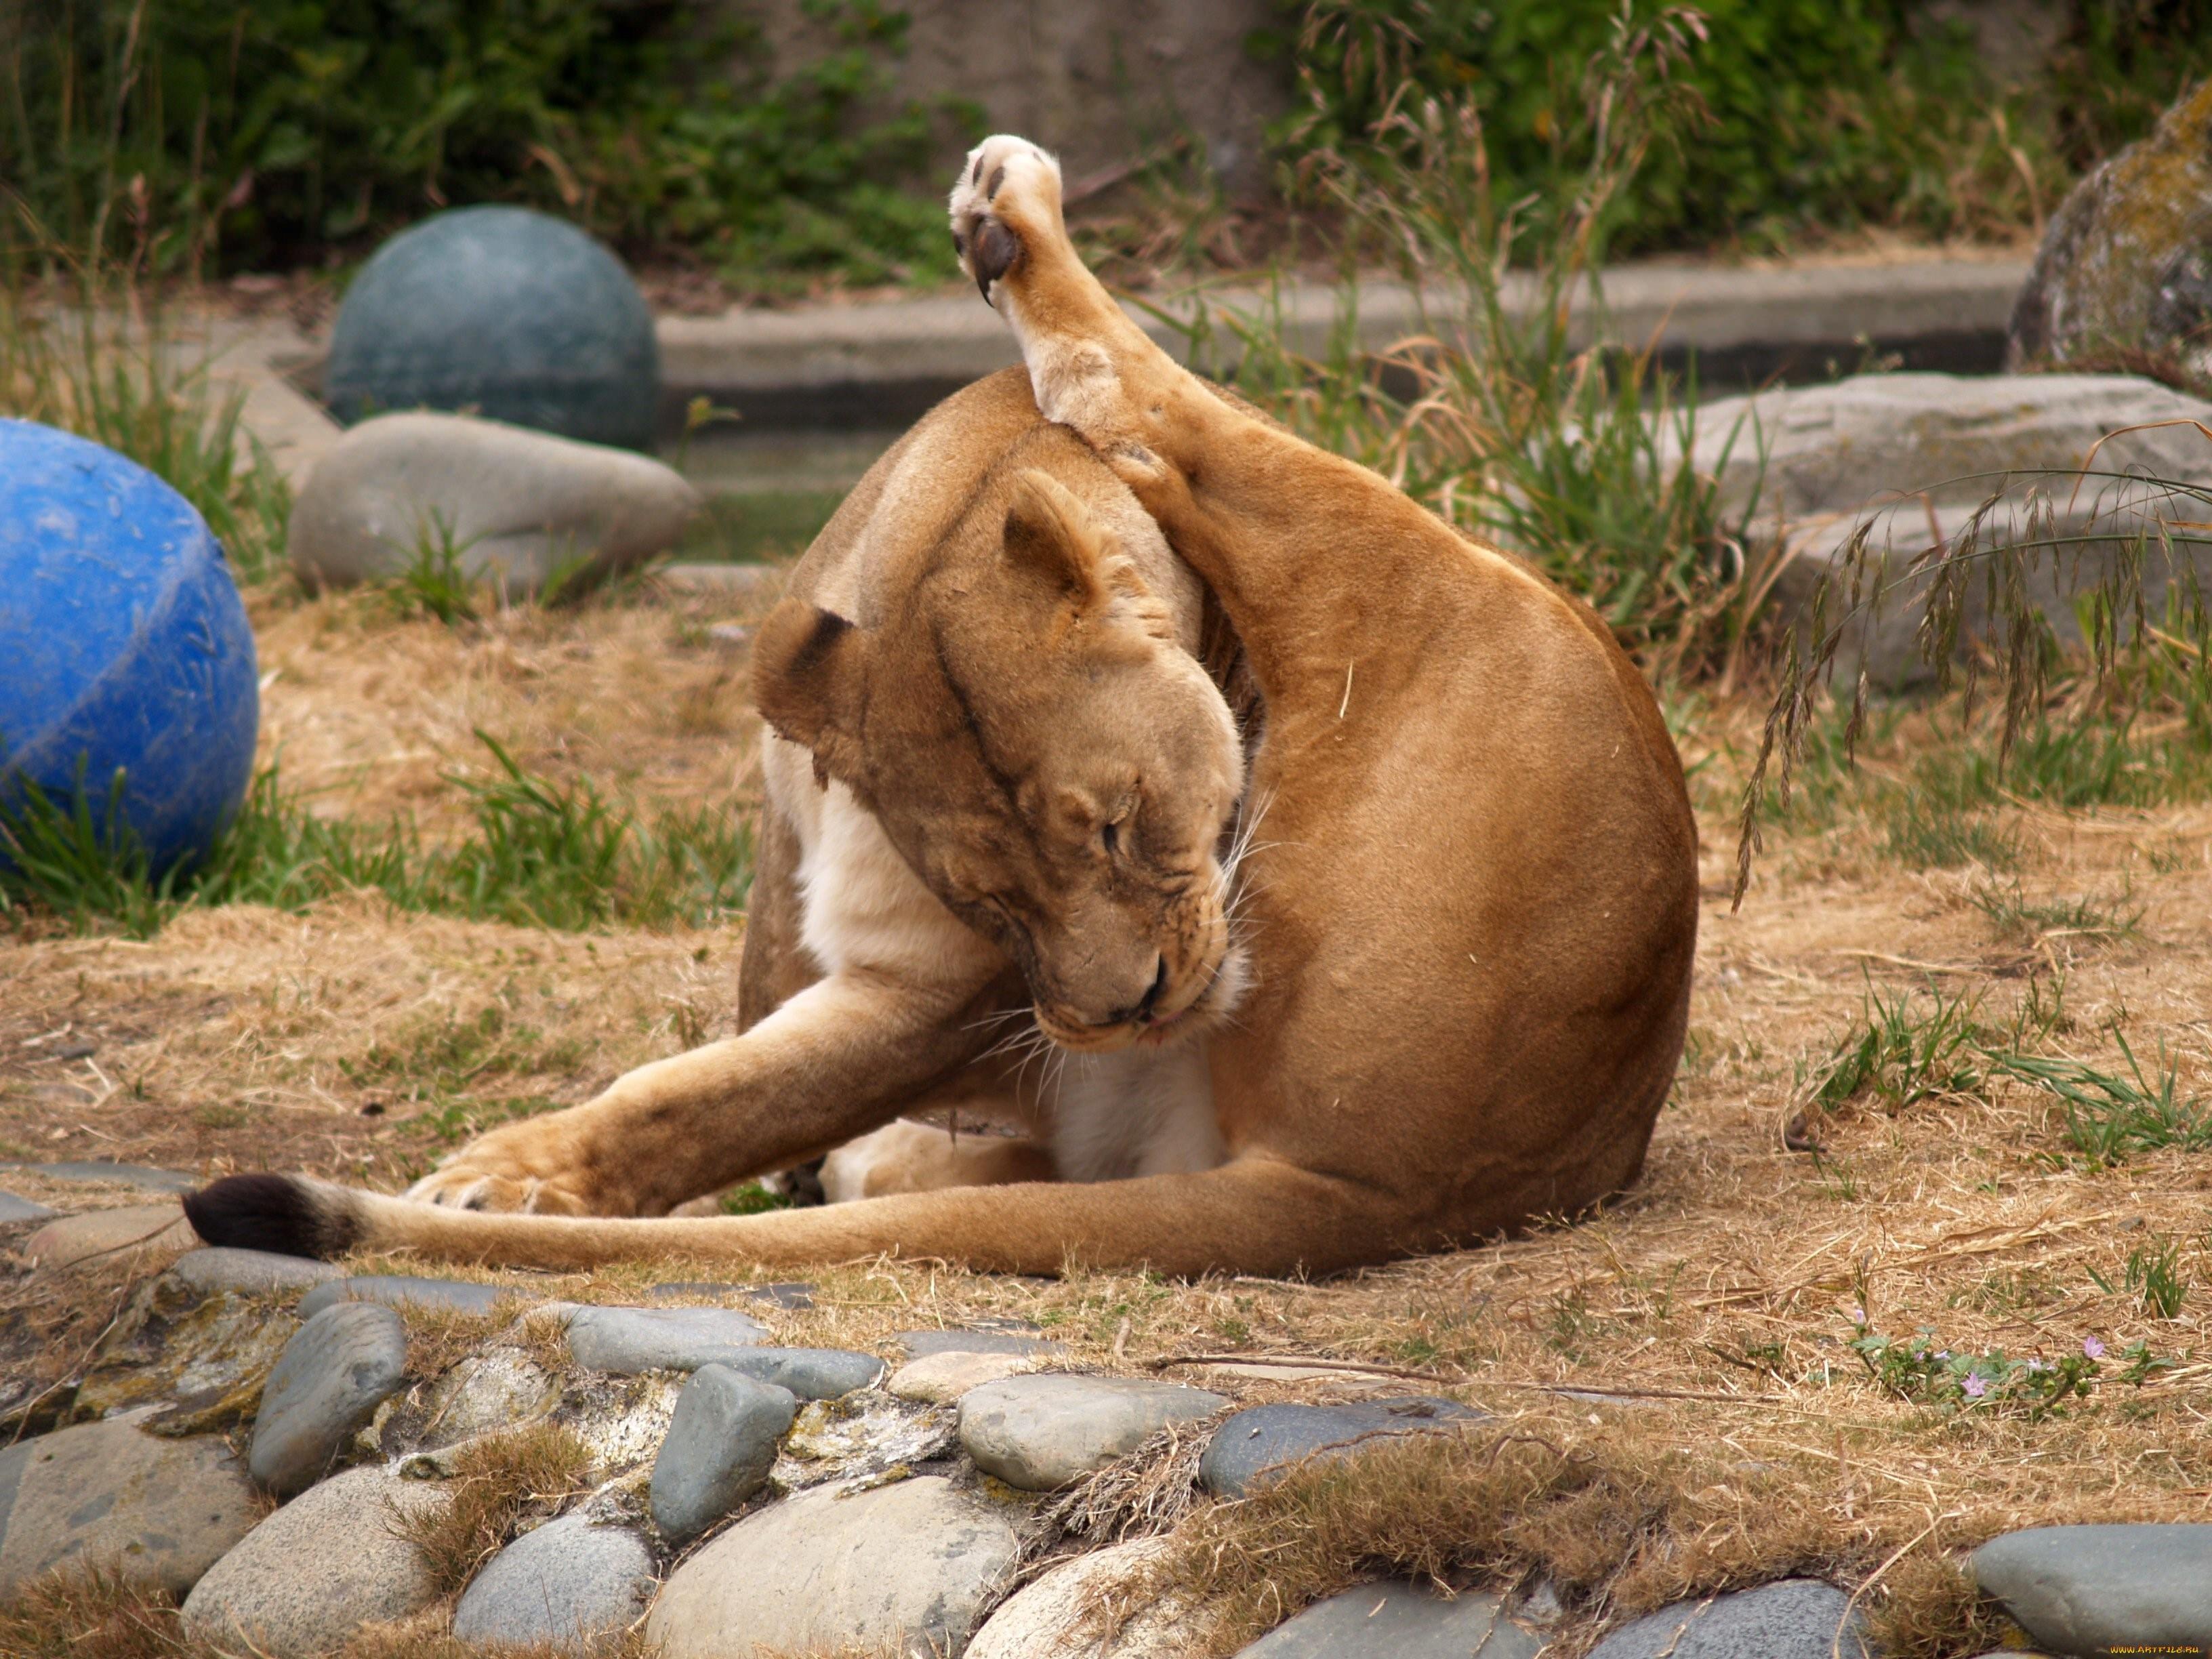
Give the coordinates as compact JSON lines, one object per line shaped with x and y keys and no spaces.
{"x":502,"y":313}
{"x":123,"y":645}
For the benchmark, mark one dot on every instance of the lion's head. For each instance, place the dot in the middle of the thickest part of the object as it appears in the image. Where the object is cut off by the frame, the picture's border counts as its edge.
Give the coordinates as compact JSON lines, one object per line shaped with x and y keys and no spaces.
{"x":1055,"y":766}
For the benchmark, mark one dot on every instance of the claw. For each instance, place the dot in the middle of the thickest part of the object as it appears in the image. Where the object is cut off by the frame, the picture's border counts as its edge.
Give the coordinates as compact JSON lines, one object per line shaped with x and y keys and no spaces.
{"x":995,"y":250}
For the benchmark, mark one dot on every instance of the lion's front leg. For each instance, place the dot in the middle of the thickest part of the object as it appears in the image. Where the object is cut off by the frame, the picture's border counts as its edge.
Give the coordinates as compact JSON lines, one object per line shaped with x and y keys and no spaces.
{"x":840,"y":1058}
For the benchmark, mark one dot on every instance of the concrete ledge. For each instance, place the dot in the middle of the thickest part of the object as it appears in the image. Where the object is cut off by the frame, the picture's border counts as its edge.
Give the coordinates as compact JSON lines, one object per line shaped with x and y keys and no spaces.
{"x":886,"y":361}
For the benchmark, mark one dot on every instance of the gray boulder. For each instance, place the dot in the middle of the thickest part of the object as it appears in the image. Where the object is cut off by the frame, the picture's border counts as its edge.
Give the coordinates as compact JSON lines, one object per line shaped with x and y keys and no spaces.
{"x":2125,"y":265}
{"x":1258,"y":1442}
{"x":107,"y":1491}
{"x":117,"y":1234}
{"x":1056,"y":1617}
{"x":142,"y":1176}
{"x":1043,"y":1432}
{"x":1397,"y":1620}
{"x":721,"y":1444}
{"x":335,"y":1370}
{"x":913,"y":1564}
{"x":628,"y":1340}
{"x":520,"y":508}
{"x":2084,"y":1589}
{"x":1913,"y":459}
{"x":249,"y":1272}
{"x":404,"y":1291}
{"x":1791,"y":1619}
{"x":327,"y":1563}
{"x":810,"y":1373}
{"x":14,"y":1208}
{"x":562,"y":1585}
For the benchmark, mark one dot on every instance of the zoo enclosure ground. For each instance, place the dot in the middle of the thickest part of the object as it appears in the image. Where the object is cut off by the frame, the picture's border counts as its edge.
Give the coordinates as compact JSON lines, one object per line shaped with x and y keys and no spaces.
{"x":1715,"y":1318}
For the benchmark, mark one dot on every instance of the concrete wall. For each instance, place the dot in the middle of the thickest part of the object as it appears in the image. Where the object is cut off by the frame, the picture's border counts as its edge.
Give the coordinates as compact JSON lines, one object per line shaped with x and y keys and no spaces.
{"x":1098,"y":82}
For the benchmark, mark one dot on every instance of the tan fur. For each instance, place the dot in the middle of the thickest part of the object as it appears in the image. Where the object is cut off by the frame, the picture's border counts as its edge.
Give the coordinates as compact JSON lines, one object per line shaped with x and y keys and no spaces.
{"x":1471,"y":910}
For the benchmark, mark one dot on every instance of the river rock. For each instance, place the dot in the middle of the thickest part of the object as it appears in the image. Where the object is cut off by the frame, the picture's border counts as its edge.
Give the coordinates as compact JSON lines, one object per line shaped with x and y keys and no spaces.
{"x":721,"y":1444}
{"x":941,"y":1379}
{"x":1056,"y":1617}
{"x":14,"y":1209}
{"x":913,"y":1563}
{"x":1791,"y":1619}
{"x":2126,"y":262}
{"x":1267,"y":1439}
{"x":166,"y":1509}
{"x":142,"y":1176}
{"x":204,"y":1355}
{"x":2083,"y":1590}
{"x":562,"y":1585}
{"x":501,"y":1388}
{"x":327,"y":1563}
{"x":404,"y":1291}
{"x":809,"y":1373}
{"x":920,"y":1345}
{"x":520,"y":508}
{"x":249,"y":1272}
{"x":1397,"y":1620}
{"x":138,"y":1228}
{"x":338,"y":1367}
{"x":1043,"y":1432}
{"x":628,"y":1340}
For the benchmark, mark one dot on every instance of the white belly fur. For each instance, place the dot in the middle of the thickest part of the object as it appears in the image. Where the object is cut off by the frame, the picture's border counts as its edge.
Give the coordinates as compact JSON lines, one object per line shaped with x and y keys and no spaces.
{"x":1142,"y":1111}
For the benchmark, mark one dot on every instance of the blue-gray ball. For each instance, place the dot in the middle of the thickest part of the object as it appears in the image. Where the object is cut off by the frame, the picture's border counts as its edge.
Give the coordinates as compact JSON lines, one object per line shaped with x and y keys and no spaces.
{"x":502,"y":313}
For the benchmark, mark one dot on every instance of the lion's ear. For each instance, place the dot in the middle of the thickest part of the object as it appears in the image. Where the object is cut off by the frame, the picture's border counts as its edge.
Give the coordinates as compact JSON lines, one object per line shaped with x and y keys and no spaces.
{"x":807,"y":663}
{"x":1051,"y":534}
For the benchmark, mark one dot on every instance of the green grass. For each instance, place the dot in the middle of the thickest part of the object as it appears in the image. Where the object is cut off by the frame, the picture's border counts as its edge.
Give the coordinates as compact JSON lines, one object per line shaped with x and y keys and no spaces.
{"x":537,"y":854}
{"x":2111,"y":1116}
{"x":2022,"y":920}
{"x":754,"y":525}
{"x":76,"y":366}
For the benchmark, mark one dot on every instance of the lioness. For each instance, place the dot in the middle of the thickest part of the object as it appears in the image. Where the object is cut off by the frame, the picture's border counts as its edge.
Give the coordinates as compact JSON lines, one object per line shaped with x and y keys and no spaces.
{"x":1442,"y":991}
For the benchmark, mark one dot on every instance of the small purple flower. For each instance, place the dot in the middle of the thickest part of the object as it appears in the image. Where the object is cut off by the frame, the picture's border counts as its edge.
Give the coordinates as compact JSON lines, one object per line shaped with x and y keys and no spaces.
{"x":1942,"y":1353}
{"x":1858,"y":1315}
{"x":2093,"y":1348}
{"x":1974,"y":1386}
{"x":2037,"y":1365}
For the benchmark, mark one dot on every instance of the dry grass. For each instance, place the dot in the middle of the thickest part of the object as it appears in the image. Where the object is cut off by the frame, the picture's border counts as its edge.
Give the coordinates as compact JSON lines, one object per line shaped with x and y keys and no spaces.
{"x":99,"y":1615}
{"x":1708,"y":1314}
{"x":498,"y":1482}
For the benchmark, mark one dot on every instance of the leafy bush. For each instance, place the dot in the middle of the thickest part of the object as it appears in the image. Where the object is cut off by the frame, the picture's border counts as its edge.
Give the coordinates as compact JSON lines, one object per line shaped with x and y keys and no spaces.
{"x":279,"y":130}
{"x":1807,"y":115}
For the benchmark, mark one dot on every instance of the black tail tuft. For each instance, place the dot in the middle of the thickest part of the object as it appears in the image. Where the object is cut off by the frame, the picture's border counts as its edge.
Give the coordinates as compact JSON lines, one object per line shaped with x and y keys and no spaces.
{"x":269,"y":1213}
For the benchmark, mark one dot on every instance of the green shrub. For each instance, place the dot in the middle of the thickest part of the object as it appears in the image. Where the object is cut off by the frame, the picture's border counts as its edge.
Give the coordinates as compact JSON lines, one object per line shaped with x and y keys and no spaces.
{"x":1807,"y":115}
{"x":277,"y":131}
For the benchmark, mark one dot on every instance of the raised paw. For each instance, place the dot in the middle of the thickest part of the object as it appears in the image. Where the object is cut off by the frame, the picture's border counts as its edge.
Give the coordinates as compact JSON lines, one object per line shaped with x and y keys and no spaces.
{"x":1006,"y":202}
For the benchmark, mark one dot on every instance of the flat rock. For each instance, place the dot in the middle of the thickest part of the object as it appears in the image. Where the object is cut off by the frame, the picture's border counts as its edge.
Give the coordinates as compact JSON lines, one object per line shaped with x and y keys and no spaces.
{"x":796,"y":1296}
{"x":562,"y":1584}
{"x":913,"y":1563}
{"x":628,"y":1340}
{"x":519,"y":507}
{"x":1056,"y":1617}
{"x":721,"y":1444}
{"x":13,"y":1208}
{"x":249,"y":1272}
{"x":1043,"y":1431}
{"x":502,"y":1388}
{"x":322,"y":1566}
{"x":1791,"y":1619}
{"x":404,"y":1291}
{"x":207,"y":1355}
{"x":920,"y":1345}
{"x":941,"y":1378}
{"x":1397,"y":1620}
{"x":2080,"y":1589}
{"x":335,"y":1370}
{"x":101,"y":1491}
{"x":128,"y":1174}
{"x":1268,"y":1439}
{"x":810,"y":1373}
{"x":1850,"y":444}
{"x":136,"y":1230}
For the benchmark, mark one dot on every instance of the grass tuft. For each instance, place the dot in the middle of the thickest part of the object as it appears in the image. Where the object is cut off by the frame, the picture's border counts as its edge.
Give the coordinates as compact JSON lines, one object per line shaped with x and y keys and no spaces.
{"x":499,"y":1481}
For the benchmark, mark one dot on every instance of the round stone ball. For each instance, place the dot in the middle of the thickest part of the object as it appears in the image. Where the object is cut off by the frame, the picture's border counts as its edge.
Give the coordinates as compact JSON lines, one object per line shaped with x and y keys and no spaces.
{"x":502,"y":313}
{"x":124,"y":649}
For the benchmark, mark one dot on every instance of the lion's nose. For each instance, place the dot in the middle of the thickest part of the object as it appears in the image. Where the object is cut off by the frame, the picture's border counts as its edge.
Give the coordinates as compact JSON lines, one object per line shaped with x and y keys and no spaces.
{"x":1142,"y":1009}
